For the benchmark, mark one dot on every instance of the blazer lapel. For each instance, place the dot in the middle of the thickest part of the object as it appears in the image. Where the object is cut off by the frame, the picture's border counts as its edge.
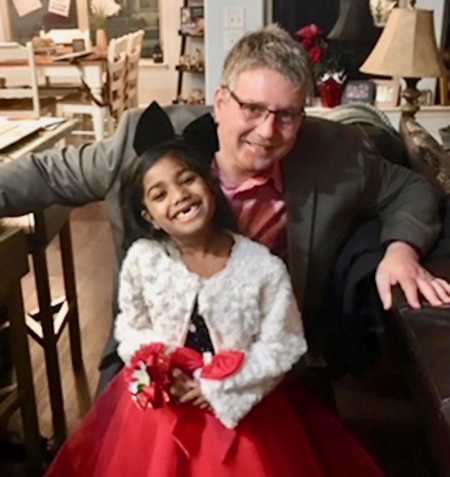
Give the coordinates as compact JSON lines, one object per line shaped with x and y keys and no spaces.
{"x":299,"y":171}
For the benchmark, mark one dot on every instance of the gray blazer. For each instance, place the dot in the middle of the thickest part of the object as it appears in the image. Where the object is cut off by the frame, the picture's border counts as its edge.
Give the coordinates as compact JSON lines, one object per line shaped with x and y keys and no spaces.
{"x":333,"y":179}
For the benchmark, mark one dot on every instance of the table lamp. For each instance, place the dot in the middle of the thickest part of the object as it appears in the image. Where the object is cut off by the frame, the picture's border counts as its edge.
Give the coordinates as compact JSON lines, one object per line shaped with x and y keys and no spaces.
{"x":407,"y":48}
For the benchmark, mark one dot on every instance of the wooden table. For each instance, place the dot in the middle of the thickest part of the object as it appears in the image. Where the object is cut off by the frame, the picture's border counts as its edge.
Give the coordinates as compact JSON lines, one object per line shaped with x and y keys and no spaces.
{"x":38,"y":141}
{"x":92,"y":69}
{"x":46,"y":325}
{"x":14,"y":265}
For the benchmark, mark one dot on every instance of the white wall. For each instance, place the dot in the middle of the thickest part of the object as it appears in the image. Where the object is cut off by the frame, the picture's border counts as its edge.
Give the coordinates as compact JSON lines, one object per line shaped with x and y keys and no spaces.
{"x":438,"y":8}
{"x":159,"y":82}
{"x":223,"y":26}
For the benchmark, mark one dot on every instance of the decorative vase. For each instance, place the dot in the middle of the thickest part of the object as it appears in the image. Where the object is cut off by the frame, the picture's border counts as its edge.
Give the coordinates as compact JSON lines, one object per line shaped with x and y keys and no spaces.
{"x":330,"y":92}
{"x":380,"y":10}
{"x":101,"y":40}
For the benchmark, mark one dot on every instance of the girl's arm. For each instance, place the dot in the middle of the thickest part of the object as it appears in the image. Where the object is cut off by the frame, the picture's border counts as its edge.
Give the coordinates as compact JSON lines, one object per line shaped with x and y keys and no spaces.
{"x":133,"y":326}
{"x":278,"y":346}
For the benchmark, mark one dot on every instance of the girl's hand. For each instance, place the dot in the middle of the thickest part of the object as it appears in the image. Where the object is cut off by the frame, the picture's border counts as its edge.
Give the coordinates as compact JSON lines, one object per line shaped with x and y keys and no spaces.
{"x":195,"y":396}
{"x":185,"y":389}
{"x":181,"y":384}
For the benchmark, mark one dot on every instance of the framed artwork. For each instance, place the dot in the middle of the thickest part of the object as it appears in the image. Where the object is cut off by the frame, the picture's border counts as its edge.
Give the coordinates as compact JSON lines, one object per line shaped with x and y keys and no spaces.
{"x":191,"y":20}
{"x":426,"y":97}
{"x":387,"y":93}
{"x":358,"y":91}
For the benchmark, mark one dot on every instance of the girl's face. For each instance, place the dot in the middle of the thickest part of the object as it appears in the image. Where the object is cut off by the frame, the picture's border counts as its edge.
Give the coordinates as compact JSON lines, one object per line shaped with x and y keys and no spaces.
{"x":177,"y":199}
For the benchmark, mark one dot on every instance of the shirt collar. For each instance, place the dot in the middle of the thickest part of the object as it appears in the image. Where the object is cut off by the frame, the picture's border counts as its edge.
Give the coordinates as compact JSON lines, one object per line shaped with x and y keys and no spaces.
{"x":273,"y":175}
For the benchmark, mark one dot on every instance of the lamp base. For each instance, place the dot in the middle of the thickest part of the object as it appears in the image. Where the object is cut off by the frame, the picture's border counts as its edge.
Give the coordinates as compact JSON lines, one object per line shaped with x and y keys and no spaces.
{"x":411,"y":95}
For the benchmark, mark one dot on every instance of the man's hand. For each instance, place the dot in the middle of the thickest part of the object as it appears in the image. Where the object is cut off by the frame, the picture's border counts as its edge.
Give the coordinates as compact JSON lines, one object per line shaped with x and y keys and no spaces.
{"x":185,"y":389}
{"x":400,"y":265}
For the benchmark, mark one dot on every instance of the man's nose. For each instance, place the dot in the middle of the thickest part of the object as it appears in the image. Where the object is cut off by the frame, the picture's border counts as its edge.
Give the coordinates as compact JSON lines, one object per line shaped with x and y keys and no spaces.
{"x":267,"y":127}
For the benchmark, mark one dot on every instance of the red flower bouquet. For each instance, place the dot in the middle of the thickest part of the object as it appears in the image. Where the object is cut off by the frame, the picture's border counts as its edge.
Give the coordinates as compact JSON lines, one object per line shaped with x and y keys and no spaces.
{"x":149,"y":374}
{"x":326,"y":61}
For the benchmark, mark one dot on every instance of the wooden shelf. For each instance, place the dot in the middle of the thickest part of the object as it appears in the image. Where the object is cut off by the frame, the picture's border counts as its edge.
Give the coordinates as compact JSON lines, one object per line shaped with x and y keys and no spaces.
{"x":189,"y":41}
{"x":185,"y":69}
{"x":191,"y":35}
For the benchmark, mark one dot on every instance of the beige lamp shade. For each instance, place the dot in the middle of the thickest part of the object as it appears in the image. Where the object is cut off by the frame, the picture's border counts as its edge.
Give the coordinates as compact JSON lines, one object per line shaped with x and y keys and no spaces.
{"x":407,"y":47}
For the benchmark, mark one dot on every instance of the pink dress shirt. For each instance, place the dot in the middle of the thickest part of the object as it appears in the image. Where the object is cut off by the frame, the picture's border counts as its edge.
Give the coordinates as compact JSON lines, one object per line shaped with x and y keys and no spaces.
{"x":259,"y":207}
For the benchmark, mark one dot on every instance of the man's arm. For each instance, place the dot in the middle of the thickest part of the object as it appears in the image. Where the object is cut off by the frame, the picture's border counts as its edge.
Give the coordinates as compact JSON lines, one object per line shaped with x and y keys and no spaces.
{"x":408,"y":207}
{"x":69,"y":176}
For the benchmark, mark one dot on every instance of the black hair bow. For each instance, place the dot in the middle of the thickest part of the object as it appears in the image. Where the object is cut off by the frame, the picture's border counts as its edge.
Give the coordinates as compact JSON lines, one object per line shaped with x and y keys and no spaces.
{"x":154,"y":128}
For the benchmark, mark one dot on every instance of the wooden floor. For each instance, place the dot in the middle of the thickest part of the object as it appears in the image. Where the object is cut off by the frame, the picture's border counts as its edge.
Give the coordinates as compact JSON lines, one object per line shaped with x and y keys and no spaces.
{"x":378,"y":415}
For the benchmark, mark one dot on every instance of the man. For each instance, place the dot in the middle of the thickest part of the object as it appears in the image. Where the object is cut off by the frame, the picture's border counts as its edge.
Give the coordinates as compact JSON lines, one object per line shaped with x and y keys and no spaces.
{"x":297,"y":184}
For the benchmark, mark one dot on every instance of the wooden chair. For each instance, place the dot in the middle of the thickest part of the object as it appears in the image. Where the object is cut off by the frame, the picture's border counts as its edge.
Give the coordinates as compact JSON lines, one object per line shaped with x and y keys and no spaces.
{"x":46,"y":324}
{"x":14,"y":265}
{"x":134,"y":50}
{"x":113,"y":104}
{"x":23,"y":99}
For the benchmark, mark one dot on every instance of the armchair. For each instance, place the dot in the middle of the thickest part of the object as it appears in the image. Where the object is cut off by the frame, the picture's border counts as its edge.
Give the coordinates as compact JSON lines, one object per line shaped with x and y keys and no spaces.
{"x":421,"y":338}
{"x":418,"y":340}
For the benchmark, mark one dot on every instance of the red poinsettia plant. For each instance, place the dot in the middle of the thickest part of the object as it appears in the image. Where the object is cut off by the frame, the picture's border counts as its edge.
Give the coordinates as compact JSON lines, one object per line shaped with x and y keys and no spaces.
{"x":326,"y":60}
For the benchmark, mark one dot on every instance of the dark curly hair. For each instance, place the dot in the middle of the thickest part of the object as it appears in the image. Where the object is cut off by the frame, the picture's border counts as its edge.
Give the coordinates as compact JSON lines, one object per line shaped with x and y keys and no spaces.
{"x":132,"y":191}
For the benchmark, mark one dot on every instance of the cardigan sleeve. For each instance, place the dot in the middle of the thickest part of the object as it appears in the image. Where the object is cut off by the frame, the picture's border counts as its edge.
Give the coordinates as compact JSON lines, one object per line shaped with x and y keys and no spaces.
{"x":279,"y":344}
{"x":133,"y":326}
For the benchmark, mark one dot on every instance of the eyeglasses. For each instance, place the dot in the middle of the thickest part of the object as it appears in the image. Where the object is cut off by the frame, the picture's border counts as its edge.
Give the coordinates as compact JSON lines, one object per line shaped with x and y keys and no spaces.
{"x":259,"y":112}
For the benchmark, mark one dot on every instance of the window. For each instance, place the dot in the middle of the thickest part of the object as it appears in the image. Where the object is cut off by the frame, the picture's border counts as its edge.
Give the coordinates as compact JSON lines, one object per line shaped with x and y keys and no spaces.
{"x":136,"y":15}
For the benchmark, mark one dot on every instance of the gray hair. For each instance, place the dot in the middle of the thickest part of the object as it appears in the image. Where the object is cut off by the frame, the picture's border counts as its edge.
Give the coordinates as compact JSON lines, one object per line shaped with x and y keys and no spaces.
{"x":270,"y":47}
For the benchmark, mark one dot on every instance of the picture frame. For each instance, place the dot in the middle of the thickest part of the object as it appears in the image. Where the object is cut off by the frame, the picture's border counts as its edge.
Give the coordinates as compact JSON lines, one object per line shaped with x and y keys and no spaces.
{"x":426,"y":97}
{"x":78,"y":44}
{"x":387,"y":93}
{"x":358,"y":91}
{"x":192,"y":20}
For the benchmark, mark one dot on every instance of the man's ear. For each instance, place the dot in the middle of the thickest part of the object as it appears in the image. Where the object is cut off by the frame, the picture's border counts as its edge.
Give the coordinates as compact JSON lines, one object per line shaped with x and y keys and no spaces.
{"x":218,"y":102}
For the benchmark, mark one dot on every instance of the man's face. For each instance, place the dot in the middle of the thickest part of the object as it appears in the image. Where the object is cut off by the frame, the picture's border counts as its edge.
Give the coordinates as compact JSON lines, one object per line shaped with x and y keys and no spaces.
{"x":251,"y":146}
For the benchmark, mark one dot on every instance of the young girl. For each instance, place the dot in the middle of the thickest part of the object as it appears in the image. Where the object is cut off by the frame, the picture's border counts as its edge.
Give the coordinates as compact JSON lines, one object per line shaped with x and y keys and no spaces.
{"x":210,"y":316}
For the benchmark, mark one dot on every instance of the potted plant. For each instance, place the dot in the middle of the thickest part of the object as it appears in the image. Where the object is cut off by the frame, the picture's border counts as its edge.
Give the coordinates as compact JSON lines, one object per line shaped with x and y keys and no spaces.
{"x":100,"y":11}
{"x":326,"y":61}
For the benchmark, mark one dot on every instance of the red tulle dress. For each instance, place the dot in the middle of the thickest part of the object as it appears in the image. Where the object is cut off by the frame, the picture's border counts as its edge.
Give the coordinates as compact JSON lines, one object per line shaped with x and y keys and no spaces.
{"x":135,"y":431}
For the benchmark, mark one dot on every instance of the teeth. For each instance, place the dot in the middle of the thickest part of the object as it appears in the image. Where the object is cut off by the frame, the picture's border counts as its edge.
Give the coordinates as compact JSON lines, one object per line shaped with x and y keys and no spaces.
{"x":187,"y":214}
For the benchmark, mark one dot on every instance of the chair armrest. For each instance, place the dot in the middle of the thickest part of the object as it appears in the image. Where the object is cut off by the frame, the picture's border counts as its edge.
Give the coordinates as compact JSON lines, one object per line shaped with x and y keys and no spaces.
{"x":420,"y":341}
{"x":439,"y":267}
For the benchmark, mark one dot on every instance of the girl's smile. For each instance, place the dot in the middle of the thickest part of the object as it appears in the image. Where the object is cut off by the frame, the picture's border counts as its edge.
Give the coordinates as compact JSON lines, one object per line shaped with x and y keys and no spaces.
{"x":188,"y":212}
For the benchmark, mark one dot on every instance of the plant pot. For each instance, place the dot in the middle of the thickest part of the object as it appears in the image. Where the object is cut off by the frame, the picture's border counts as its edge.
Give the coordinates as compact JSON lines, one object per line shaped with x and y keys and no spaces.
{"x":330,"y":92}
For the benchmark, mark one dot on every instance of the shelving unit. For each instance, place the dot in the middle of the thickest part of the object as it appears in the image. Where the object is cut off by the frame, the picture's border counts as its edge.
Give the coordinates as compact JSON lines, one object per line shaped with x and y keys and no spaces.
{"x":191,"y":48}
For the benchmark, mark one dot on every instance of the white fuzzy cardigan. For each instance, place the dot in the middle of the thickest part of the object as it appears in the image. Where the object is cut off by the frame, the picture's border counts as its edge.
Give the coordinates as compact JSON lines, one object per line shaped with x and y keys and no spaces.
{"x":249,"y":306}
